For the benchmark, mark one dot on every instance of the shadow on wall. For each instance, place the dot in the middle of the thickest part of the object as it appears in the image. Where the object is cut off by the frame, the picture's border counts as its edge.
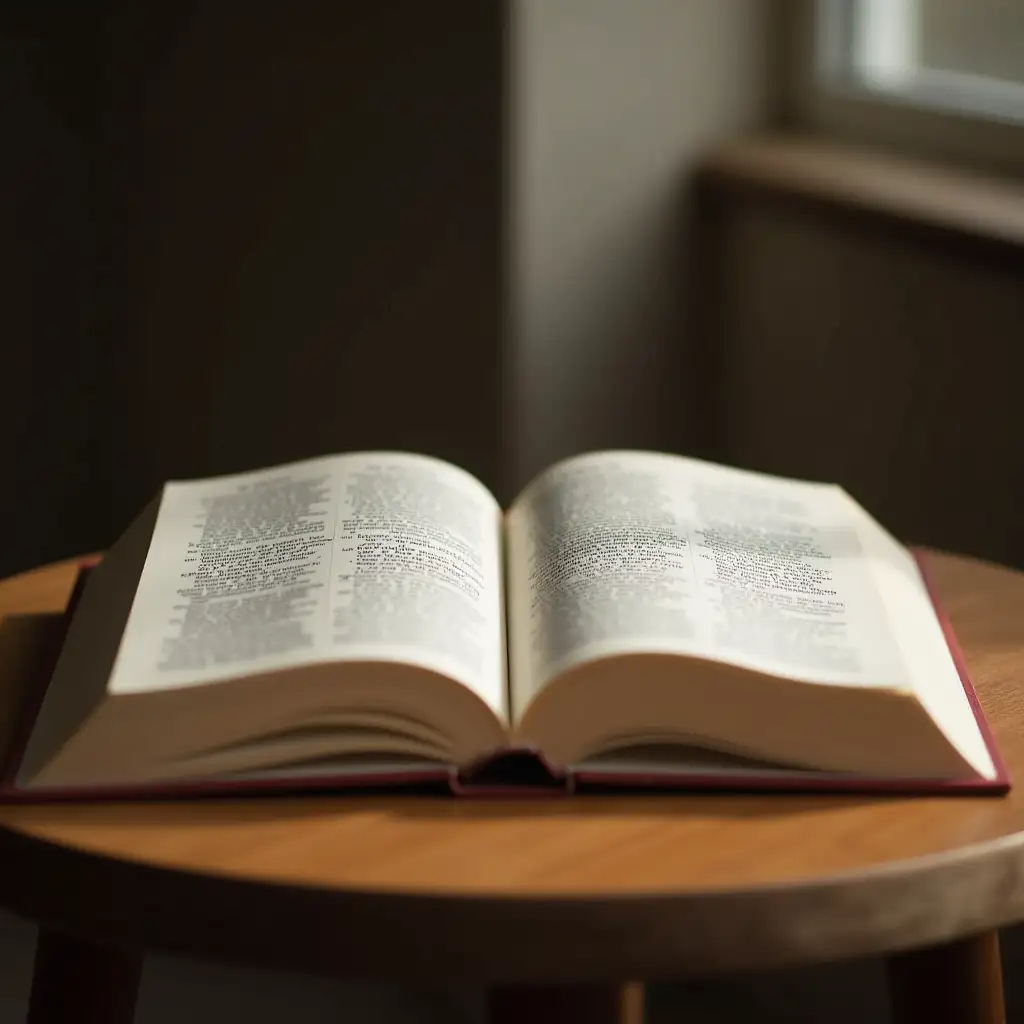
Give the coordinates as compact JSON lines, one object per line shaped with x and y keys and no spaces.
{"x":251,"y":240}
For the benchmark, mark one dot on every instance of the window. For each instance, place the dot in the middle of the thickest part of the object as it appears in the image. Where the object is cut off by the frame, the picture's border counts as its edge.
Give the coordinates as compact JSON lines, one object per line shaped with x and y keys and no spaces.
{"x":930,"y":77}
{"x":962,"y":55}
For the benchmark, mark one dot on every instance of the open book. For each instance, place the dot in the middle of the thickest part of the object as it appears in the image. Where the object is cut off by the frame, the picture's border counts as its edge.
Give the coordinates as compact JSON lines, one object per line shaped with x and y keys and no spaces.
{"x":633,"y":618}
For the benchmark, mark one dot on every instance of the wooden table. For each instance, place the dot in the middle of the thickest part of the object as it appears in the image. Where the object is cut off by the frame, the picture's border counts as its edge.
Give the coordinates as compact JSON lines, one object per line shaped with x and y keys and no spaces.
{"x":556,"y":904}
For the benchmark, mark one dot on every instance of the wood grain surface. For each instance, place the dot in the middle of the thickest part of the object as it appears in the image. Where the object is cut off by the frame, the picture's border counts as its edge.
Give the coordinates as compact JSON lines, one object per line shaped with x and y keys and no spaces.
{"x":573,"y":890}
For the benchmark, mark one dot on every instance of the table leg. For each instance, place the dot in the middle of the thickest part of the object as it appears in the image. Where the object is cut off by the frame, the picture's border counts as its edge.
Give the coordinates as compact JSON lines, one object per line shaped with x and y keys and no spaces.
{"x":587,"y":1004}
{"x":77,"y":981}
{"x":960,"y":981}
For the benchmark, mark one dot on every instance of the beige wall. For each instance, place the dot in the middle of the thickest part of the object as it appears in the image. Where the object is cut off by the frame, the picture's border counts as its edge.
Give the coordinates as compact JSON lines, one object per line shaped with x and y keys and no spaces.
{"x":611,"y":104}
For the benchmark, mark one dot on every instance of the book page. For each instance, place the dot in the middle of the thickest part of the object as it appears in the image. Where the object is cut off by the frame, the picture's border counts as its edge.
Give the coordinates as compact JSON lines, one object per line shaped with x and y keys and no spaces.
{"x":367,"y":556}
{"x":911,"y":614}
{"x":621,"y":552}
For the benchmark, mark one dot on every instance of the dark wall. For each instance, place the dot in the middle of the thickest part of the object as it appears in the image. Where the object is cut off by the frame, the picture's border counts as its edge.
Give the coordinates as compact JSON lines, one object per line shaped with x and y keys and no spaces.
{"x":50,"y":278}
{"x":259,"y":233}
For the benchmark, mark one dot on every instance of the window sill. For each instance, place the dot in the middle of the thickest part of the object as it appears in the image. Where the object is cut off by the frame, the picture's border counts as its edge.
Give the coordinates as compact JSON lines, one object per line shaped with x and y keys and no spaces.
{"x":917,"y":194}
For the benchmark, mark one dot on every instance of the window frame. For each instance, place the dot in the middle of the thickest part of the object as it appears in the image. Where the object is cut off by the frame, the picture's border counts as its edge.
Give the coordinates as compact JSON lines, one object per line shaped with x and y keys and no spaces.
{"x":819,"y":95}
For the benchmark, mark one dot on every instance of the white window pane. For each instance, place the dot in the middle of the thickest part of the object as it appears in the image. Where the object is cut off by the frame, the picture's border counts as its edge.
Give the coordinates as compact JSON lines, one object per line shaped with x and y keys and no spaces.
{"x":957,"y":54}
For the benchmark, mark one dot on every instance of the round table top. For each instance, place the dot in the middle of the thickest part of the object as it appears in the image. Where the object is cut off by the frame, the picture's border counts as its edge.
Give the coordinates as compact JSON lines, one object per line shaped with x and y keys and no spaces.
{"x":574,"y":889}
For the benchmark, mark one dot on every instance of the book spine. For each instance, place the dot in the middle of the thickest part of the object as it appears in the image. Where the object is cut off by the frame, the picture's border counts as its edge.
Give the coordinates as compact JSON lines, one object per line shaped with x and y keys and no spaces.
{"x":514,"y":772}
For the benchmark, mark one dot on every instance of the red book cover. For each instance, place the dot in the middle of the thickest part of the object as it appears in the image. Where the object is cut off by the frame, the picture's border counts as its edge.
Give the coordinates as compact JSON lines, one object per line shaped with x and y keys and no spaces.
{"x":512,"y":772}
